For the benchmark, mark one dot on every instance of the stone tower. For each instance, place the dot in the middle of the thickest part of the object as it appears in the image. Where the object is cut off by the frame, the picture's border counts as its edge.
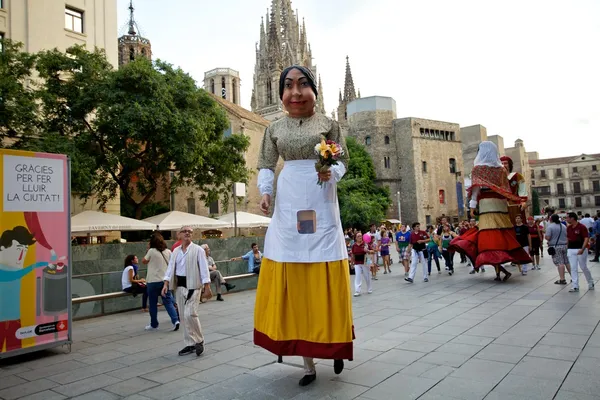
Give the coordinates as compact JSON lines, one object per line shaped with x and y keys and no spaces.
{"x":132,"y":44}
{"x":348,"y":96}
{"x":282,"y":42}
{"x":223,"y":82}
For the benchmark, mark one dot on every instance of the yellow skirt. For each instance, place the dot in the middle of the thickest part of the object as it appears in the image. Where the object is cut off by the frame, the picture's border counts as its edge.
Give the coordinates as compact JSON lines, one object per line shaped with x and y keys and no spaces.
{"x":304,"y":309}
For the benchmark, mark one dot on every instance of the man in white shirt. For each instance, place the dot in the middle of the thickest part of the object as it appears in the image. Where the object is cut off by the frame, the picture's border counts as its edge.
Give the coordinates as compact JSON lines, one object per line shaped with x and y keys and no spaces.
{"x":587,"y":221}
{"x":188,"y":275}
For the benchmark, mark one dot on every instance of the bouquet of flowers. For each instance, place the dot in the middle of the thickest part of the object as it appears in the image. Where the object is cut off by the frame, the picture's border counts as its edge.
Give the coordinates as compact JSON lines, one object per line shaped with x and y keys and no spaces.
{"x":329,"y":152}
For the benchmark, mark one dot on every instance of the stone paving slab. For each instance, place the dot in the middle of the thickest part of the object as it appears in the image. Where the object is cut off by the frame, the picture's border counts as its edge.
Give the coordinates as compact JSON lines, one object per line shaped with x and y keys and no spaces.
{"x":455,"y":337}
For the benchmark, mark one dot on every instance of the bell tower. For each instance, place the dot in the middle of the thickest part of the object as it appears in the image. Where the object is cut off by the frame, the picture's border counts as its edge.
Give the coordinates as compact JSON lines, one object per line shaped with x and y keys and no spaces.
{"x":132,"y":44}
{"x":223,"y":82}
{"x":348,"y":95}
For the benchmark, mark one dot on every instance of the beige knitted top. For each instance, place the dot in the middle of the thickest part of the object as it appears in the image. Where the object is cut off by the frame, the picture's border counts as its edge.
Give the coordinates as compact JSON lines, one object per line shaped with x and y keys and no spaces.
{"x":296,"y":138}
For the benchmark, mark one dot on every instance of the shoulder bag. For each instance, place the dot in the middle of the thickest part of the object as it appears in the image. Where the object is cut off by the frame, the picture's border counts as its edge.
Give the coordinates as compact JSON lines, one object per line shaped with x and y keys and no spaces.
{"x":551,"y":249}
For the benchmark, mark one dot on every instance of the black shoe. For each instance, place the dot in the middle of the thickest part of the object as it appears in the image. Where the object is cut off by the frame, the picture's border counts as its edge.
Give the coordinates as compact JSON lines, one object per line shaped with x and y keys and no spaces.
{"x":307,"y":379}
{"x":229,"y":286}
{"x":219,"y":297}
{"x":199,"y":348}
{"x":408,"y":280}
{"x":186,"y":350}
{"x":594,"y":260}
{"x":338,"y":366}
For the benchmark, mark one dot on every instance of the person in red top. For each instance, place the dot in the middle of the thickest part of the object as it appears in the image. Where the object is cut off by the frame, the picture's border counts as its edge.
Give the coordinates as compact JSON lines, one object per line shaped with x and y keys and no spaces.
{"x":177,"y":243}
{"x":577,"y":251}
{"x":359,"y":252}
{"x":418,"y":241}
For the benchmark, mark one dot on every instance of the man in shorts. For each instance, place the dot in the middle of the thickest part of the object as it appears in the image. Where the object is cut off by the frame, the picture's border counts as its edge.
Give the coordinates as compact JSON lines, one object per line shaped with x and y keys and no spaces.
{"x":402,"y":246}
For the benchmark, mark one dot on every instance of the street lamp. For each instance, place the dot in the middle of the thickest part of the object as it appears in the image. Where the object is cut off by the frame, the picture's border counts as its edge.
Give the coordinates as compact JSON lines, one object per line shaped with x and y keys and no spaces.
{"x":398,"y":199}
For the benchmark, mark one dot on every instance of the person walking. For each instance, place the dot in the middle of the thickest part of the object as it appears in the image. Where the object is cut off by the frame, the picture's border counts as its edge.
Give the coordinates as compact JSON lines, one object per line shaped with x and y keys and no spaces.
{"x":303,"y":305}
{"x":418,"y":240}
{"x":577,"y":251}
{"x":157,"y":259}
{"x":359,"y":251}
{"x":187,"y":274}
{"x":524,"y":239}
{"x":433,"y":249}
{"x":402,"y":247}
{"x":446,"y":237}
{"x":596,"y":233}
{"x":556,"y":235}
{"x":536,"y":239}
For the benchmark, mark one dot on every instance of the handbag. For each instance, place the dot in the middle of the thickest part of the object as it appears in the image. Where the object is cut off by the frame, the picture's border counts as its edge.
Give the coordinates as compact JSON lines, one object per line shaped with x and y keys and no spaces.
{"x":551,"y":249}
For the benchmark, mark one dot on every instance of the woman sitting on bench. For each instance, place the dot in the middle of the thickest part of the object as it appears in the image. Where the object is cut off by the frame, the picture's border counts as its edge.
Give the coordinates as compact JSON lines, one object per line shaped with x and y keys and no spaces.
{"x":131,"y":282}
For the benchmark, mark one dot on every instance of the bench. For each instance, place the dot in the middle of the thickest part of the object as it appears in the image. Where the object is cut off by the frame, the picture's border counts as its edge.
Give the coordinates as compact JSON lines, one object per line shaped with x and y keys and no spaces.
{"x":114,"y":295}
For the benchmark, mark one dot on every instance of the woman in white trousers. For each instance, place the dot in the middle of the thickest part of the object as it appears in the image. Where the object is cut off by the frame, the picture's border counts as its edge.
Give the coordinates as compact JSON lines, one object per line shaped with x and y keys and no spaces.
{"x":359,"y":253}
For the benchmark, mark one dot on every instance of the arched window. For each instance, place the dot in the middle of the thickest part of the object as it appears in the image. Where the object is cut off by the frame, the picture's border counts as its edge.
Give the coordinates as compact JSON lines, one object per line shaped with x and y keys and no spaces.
{"x":269,"y":93}
{"x":386,"y":162}
{"x":234,"y":90}
{"x":131,"y":53}
{"x":452,"y":163}
{"x":442,"y":194}
{"x":212,"y":86}
{"x":368,"y":141}
{"x":387,"y":140}
{"x":223,"y":90}
{"x":144,"y":52}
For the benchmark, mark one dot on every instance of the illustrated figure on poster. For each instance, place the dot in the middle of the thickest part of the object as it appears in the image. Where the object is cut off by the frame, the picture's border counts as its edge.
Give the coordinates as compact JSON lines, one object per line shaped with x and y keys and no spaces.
{"x":518,"y":187}
{"x":303,"y":305}
{"x":14,"y":245}
{"x":493,"y":240}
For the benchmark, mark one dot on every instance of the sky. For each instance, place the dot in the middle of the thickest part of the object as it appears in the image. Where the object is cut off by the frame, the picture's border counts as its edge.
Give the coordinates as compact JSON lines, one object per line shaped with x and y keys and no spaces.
{"x":524,"y":69}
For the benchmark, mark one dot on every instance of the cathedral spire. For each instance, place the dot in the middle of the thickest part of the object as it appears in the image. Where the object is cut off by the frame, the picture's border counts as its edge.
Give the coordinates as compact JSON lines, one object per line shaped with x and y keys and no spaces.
{"x":349,"y":92}
{"x":320,"y":99}
{"x":131,"y":20}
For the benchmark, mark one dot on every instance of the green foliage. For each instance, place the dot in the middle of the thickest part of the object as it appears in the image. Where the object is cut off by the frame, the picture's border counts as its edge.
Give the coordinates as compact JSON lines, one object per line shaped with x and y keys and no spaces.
{"x":18,"y":108}
{"x":535,"y":202}
{"x":361,"y":201}
{"x":136,"y":130}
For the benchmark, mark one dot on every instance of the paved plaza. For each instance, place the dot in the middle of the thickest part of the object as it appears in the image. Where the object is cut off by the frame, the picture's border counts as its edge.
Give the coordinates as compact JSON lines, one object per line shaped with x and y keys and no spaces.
{"x":456,"y":337}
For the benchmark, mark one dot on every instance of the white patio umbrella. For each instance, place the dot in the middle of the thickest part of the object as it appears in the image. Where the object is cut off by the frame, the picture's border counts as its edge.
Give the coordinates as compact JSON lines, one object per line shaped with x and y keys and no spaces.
{"x":174,"y":220}
{"x":246,"y":220}
{"x":94,"y":221}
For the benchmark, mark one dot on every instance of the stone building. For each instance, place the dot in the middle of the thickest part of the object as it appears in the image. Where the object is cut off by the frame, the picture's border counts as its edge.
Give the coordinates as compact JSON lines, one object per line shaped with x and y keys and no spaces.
{"x":568,"y":183}
{"x":282,"y":42}
{"x":133,"y":44}
{"x":223,"y":82}
{"x":419,"y":160}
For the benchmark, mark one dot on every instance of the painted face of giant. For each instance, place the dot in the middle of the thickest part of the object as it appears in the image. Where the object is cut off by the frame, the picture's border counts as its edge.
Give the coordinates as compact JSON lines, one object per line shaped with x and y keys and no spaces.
{"x":298,"y":97}
{"x":13,"y":256}
{"x":506,"y":165}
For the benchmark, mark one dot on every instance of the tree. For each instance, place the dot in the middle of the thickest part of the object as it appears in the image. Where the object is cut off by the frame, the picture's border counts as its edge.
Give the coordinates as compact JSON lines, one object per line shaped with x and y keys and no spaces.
{"x":140,"y":129}
{"x":535,"y":202}
{"x":361,"y":201}
{"x":18,"y":105}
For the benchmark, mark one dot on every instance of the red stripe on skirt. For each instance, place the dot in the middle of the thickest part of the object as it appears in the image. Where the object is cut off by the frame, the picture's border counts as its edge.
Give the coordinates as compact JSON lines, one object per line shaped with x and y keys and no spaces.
{"x":330,"y":351}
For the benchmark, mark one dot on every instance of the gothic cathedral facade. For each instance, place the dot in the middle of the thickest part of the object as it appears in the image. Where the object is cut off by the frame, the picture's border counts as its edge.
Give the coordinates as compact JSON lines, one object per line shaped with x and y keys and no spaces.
{"x":282,"y":43}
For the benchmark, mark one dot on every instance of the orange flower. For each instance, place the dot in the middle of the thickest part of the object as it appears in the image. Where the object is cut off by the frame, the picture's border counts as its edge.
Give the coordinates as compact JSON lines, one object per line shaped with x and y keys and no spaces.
{"x":324,"y":148}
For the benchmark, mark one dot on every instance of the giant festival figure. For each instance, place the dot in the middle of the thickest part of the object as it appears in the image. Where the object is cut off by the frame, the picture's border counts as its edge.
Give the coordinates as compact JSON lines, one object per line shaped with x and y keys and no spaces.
{"x":303,"y":305}
{"x":493,"y":240}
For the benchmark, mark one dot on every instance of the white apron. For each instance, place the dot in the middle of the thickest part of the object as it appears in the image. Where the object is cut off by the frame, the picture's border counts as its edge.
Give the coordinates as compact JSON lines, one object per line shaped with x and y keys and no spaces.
{"x":297,"y":190}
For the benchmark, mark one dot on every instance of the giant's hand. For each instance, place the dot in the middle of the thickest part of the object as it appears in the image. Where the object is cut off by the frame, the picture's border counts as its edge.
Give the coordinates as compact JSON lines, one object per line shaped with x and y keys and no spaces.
{"x":265,"y":203}
{"x":325,"y":176}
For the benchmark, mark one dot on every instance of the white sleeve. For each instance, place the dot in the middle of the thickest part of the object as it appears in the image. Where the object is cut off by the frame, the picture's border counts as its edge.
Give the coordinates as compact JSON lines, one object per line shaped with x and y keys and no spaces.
{"x":338,"y":171}
{"x":265,"y":181}
{"x":522,"y":190}
{"x":170,"y":267}
{"x":203,"y":265}
{"x":474,"y":194}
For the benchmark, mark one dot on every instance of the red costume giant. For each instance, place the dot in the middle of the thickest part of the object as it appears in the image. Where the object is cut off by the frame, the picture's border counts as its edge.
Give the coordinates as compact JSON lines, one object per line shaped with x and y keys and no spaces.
{"x":493,"y":241}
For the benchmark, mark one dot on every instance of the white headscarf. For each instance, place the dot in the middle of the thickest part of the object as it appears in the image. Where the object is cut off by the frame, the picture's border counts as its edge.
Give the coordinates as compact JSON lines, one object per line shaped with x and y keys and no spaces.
{"x":487,"y":155}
